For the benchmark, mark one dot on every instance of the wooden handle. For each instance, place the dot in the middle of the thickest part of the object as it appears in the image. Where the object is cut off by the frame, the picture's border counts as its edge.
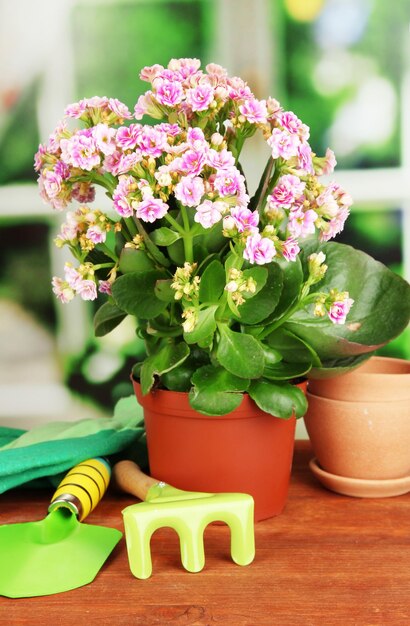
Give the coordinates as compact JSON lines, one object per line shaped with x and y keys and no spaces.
{"x":83,"y":487}
{"x":129,"y":478}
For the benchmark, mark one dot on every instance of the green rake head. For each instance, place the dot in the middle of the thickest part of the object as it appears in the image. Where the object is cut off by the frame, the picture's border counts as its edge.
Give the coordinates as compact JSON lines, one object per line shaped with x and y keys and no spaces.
{"x":188,"y":513}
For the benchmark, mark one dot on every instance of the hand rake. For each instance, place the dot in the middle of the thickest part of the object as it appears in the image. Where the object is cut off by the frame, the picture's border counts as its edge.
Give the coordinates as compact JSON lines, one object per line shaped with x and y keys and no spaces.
{"x":186,"y":512}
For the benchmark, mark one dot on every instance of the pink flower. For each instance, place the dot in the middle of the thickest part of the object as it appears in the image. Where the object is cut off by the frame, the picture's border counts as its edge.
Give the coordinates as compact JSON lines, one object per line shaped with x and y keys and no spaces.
{"x":192,"y":162}
{"x":302,"y":223}
{"x":245,"y":220}
{"x":120,"y":109}
{"x":62,"y":170}
{"x":327,"y":164}
{"x":283,"y":144}
{"x":184,"y":67}
{"x":305,"y":158}
{"x":339,"y":310}
{"x":290,"y":122}
{"x":190,"y":190}
{"x":168,"y":93}
{"x":104,"y":138}
{"x":327,"y":203}
{"x":96,"y":102}
{"x":52,"y":183}
{"x":152,"y":142}
{"x":259,"y":250}
{"x":216,"y":70}
{"x":122,"y":201}
{"x":53,"y":144}
{"x":72,"y":276}
{"x":290,"y":249}
{"x":76,"y":110}
{"x":87,"y":289}
{"x":288,"y":188}
{"x":104,"y":286}
{"x":38,"y":157}
{"x":335,"y":225}
{"x":228,"y":182}
{"x":223,"y":160}
{"x":200,"y":98}
{"x":148,"y":73}
{"x":196,"y":138}
{"x":147,"y":105}
{"x":69,"y":229}
{"x":96,"y":234}
{"x":238,"y":89}
{"x":254,"y":111}
{"x":127,"y":136}
{"x":207,"y":214}
{"x":172,"y":130}
{"x":62,"y":290}
{"x":151,"y":209}
{"x":80,"y":151}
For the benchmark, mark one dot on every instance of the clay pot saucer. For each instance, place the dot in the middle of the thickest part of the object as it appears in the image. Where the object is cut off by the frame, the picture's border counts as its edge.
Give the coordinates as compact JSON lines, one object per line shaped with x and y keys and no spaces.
{"x":359,"y":487}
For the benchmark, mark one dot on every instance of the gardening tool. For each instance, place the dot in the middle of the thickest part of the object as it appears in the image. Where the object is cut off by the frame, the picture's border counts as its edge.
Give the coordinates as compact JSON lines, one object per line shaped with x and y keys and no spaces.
{"x":59,"y":553}
{"x":187,"y":512}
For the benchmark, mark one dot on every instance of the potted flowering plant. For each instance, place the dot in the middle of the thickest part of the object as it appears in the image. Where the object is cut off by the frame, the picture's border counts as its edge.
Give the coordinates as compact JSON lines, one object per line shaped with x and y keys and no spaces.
{"x":238,"y":298}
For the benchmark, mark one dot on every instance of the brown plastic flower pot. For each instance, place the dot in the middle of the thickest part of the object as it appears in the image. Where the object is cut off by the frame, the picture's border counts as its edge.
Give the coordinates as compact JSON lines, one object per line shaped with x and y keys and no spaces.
{"x":245,"y":451}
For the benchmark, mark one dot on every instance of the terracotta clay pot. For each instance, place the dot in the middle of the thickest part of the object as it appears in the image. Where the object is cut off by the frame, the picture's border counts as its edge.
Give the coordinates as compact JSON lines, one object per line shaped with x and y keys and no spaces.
{"x":245,"y":451}
{"x":379,"y":379}
{"x":359,"y":427}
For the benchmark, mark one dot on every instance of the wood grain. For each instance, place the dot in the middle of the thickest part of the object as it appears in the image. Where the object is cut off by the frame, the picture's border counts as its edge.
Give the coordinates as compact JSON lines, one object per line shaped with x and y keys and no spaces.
{"x":328,"y":560}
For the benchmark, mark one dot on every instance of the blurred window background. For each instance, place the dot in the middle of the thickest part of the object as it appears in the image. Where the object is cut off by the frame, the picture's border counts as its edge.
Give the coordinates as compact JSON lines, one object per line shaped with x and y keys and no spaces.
{"x":343,"y":66}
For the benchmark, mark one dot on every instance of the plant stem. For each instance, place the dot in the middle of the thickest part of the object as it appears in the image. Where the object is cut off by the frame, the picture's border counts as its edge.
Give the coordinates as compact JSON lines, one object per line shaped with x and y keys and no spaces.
{"x":175,"y":224}
{"x":301,"y":302}
{"x":132,"y":227}
{"x":186,"y":233}
{"x":101,"y":266}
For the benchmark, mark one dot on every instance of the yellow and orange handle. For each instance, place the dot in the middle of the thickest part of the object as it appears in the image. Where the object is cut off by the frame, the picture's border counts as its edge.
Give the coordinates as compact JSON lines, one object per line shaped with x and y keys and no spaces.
{"x":82,"y":488}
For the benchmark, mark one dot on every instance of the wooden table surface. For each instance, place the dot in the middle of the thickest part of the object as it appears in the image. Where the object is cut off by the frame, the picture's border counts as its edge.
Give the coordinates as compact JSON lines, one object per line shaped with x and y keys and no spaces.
{"x":327,"y":560}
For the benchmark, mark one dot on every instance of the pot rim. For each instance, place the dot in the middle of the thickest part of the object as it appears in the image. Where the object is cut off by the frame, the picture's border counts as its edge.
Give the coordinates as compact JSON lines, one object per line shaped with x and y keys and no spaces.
{"x":184,"y":409}
{"x":316,"y":397}
{"x":402,"y":364}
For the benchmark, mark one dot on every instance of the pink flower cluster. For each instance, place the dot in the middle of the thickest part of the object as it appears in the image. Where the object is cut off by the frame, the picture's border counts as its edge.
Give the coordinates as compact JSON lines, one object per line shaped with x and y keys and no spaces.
{"x":75,"y":283}
{"x":85,"y":227}
{"x":188,"y":160}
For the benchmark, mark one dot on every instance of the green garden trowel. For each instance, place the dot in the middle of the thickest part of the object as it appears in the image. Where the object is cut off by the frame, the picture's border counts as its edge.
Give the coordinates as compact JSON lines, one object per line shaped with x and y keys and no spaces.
{"x":59,"y":553}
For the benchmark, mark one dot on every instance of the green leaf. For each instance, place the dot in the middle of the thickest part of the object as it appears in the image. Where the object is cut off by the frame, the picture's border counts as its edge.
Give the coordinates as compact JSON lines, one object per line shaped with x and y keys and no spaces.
{"x":107,"y":317}
{"x":164,"y":291}
{"x":216,"y":391}
{"x":164,"y":236}
{"x":135,"y":294}
{"x":380,"y":312}
{"x":132,"y":260}
{"x":164,"y":360}
{"x":271,"y":355}
{"x":212,"y":282}
{"x":292,"y":273}
{"x":239,"y":353}
{"x":176,"y":252}
{"x":262,"y":304}
{"x":205,"y":326}
{"x":278,"y":399}
{"x":286,"y":371}
{"x":335,"y":367}
{"x":292,"y":348}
